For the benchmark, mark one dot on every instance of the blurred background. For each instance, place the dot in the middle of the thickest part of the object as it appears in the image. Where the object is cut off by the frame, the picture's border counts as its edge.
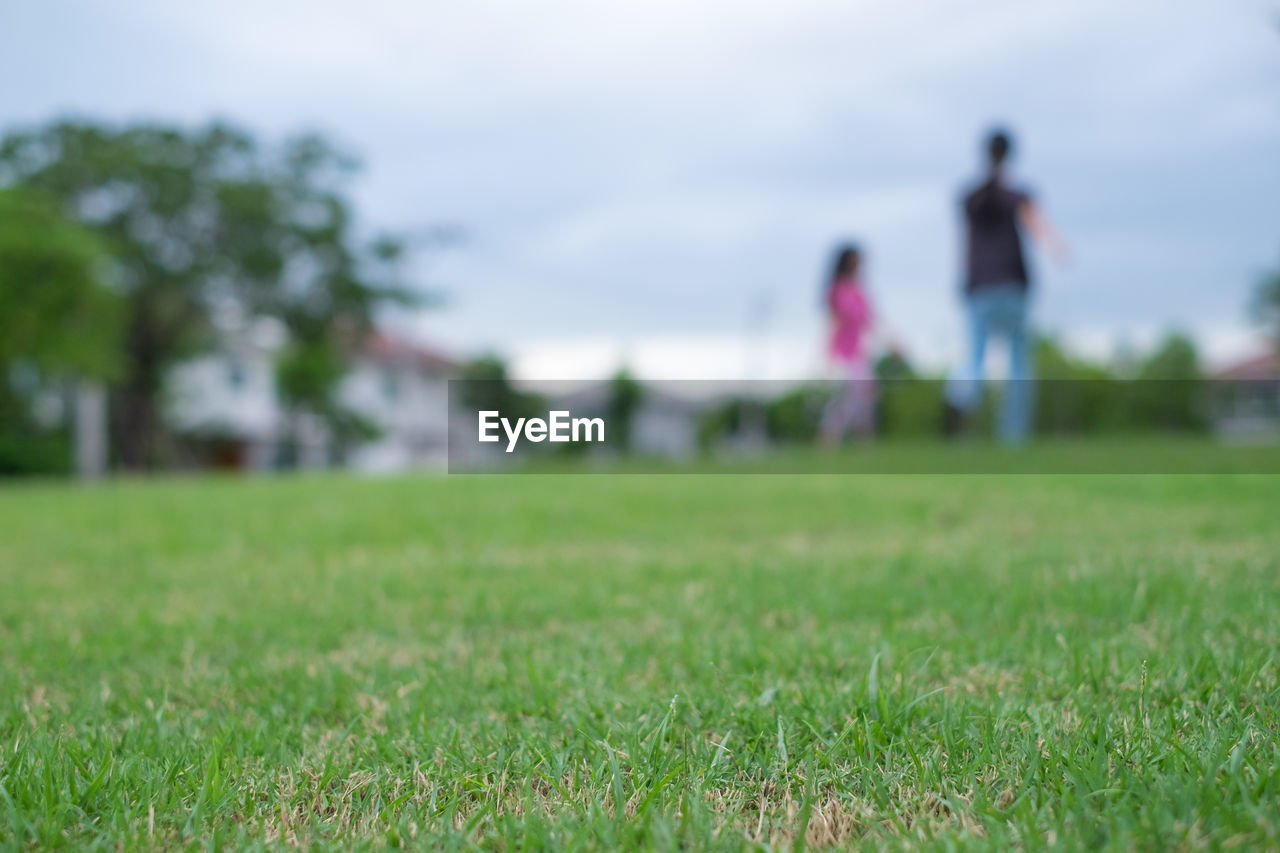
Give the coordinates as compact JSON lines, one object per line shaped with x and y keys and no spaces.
{"x":264,"y":235}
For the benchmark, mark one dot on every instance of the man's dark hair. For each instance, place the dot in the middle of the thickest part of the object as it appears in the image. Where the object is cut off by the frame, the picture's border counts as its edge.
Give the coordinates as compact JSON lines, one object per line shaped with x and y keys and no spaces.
{"x":999,"y":145}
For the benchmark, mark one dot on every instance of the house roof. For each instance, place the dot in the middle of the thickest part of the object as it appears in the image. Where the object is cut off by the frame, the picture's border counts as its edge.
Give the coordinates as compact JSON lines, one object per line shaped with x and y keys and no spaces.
{"x":1264,"y":366}
{"x":388,"y":349}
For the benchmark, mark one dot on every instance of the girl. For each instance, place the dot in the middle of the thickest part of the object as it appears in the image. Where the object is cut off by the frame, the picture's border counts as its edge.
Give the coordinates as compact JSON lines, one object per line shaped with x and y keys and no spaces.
{"x":851,"y":407}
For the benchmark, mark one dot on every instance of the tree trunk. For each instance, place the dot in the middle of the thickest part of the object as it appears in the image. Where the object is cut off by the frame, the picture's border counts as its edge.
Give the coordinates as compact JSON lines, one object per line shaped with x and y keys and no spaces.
{"x":136,"y":421}
{"x":135,"y":405}
{"x":135,"y":424}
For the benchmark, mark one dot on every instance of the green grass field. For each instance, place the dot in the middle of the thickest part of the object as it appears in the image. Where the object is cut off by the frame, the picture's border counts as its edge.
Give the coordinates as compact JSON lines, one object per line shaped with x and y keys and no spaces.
{"x":614,"y":662}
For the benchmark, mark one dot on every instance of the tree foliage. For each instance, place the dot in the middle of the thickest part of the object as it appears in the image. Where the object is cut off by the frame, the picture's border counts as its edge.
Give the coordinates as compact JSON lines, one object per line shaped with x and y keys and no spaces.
{"x":622,"y":401}
{"x":487,"y":386}
{"x":1266,"y":306}
{"x":56,"y":312}
{"x":58,"y":320}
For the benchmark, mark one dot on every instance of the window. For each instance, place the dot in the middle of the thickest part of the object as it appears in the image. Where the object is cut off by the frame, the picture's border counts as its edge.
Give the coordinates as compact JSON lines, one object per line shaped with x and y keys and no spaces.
{"x":390,"y":386}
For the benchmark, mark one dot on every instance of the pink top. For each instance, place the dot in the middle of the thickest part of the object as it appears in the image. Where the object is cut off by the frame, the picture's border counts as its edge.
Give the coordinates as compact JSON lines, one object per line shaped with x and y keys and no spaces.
{"x":851,"y":311}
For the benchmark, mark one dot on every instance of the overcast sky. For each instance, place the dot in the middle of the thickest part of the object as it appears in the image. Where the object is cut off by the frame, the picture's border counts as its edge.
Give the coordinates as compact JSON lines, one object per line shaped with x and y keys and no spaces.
{"x":653,"y":181}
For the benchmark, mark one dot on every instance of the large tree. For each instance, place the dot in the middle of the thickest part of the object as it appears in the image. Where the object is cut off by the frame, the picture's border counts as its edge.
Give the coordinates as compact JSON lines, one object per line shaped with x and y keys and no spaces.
{"x":198,"y":220}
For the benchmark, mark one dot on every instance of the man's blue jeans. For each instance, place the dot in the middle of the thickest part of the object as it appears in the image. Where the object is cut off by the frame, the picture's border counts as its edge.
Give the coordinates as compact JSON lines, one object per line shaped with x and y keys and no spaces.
{"x":1001,"y":311}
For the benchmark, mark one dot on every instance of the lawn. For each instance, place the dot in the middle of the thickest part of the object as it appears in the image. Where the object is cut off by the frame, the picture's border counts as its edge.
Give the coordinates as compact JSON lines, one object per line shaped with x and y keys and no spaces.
{"x":626,"y":661}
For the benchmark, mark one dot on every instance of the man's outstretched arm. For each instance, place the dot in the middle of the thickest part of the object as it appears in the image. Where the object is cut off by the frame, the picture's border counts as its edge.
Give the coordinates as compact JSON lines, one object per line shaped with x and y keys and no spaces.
{"x":1042,"y":231}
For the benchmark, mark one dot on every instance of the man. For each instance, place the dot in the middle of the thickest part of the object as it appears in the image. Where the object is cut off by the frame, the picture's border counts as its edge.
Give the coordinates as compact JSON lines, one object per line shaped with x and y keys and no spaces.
{"x":996,"y":289}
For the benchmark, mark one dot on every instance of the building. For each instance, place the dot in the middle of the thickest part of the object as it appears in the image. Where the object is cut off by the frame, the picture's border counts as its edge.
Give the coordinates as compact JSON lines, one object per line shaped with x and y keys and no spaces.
{"x":1246,"y":399}
{"x":226,"y":408}
{"x":403,"y":390}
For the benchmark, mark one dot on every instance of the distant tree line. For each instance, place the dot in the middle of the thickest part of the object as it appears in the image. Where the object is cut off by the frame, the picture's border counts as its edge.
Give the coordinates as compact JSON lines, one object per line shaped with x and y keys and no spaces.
{"x":1074,"y":396}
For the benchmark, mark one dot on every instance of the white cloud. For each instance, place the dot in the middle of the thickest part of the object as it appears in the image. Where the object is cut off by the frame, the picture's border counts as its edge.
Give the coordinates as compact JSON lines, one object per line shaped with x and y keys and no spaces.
{"x":709,"y":357}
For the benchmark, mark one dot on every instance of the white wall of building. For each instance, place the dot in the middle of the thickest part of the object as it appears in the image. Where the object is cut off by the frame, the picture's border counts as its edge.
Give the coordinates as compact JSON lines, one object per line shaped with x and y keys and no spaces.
{"x":232,"y":394}
{"x":409,"y":404}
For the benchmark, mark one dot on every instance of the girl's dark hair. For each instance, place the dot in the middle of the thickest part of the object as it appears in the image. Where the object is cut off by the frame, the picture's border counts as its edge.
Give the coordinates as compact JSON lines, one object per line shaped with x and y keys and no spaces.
{"x":848,"y":259}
